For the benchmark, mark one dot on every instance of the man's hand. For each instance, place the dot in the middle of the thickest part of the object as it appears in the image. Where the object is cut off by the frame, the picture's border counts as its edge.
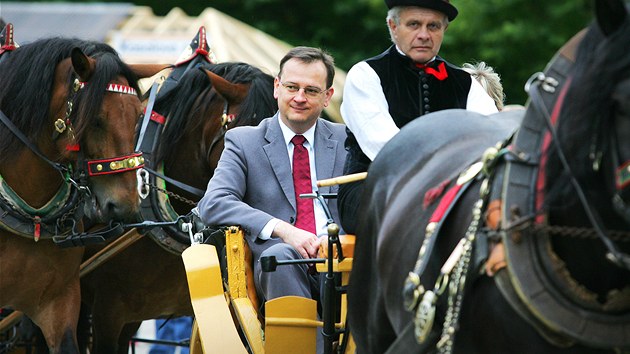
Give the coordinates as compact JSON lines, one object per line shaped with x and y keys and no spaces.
{"x":303,"y":241}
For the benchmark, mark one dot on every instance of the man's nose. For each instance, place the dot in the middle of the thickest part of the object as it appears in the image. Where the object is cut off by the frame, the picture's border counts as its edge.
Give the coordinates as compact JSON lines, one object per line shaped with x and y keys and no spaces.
{"x":300,"y":95}
{"x":423,"y":33}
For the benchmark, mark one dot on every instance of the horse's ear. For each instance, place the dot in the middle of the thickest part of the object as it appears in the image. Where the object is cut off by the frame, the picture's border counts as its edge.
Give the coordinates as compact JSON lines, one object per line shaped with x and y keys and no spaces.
{"x":234,"y":93}
{"x":83,"y":65}
{"x":610,"y":14}
{"x":148,"y":70}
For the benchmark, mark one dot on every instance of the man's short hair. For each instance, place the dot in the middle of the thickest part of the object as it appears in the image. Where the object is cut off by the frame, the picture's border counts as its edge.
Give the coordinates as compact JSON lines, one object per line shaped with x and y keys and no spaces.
{"x":309,"y":55}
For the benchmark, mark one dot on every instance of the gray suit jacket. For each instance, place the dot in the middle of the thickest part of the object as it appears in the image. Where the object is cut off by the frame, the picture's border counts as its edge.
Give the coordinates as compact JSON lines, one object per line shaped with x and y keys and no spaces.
{"x":253,"y":182}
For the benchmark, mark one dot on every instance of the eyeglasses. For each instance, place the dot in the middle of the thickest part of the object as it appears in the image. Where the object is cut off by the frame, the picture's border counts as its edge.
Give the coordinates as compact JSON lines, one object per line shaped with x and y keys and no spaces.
{"x":309,"y":91}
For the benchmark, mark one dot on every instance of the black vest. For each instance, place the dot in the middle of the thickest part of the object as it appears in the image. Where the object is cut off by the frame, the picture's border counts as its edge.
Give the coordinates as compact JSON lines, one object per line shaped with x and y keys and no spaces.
{"x":411,"y":93}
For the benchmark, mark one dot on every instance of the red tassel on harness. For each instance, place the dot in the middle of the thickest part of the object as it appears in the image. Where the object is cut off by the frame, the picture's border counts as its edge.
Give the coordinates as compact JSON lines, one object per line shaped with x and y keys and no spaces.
{"x":37,"y":228}
{"x":73,"y":147}
{"x":434,"y":193}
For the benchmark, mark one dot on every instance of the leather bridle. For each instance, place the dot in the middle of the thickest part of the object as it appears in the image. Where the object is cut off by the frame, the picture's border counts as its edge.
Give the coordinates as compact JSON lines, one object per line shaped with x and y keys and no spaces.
{"x":65,"y":218}
{"x":614,"y":254}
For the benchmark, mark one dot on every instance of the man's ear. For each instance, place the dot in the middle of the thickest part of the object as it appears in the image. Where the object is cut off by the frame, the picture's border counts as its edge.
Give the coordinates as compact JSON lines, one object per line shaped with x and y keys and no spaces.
{"x":391,"y":24}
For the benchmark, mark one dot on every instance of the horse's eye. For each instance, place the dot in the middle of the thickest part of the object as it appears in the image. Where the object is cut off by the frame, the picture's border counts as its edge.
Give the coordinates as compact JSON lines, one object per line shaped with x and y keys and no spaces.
{"x":99,"y":122}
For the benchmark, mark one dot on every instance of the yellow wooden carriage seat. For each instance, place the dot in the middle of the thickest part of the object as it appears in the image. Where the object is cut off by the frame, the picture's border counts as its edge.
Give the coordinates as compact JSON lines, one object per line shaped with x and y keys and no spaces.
{"x":290,"y":323}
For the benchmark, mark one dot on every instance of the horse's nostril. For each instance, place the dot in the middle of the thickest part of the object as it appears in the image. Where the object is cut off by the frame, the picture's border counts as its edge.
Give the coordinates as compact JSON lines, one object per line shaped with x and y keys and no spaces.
{"x":115,"y":211}
{"x":111,"y":210}
{"x":121,"y":212}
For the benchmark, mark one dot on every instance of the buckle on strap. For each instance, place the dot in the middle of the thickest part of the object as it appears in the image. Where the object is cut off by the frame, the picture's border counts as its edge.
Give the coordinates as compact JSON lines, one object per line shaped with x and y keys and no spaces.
{"x":115,"y":165}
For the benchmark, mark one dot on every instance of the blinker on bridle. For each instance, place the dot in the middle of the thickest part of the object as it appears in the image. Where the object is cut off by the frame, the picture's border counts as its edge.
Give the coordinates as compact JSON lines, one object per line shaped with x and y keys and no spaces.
{"x":226,"y":119}
{"x":96,"y":167}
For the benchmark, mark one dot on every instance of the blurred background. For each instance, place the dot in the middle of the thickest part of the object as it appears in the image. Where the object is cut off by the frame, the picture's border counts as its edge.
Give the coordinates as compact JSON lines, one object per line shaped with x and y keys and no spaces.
{"x":516,"y":37}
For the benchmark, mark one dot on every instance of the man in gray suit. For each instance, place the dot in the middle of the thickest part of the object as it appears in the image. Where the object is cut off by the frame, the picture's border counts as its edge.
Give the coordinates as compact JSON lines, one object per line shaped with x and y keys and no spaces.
{"x":253,"y":184}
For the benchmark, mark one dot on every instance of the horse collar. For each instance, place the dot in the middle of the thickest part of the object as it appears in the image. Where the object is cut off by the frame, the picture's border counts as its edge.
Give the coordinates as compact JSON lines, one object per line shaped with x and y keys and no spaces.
{"x":7,"y":43}
{"x":57,"y":217}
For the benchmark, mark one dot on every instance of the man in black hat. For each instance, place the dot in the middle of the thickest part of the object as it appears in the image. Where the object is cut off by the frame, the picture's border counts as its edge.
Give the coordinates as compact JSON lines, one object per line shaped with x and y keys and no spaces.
{"x":408,"y":80}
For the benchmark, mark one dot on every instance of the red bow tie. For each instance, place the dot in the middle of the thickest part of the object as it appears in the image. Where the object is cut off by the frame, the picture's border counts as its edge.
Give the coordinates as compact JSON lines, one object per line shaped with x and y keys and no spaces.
{"x":439,"y":74}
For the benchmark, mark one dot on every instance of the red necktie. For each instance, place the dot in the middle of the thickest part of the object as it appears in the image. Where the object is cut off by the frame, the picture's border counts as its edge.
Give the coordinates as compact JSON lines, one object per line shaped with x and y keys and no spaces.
{"x":305,"y":218}
{"x":439,"y":74}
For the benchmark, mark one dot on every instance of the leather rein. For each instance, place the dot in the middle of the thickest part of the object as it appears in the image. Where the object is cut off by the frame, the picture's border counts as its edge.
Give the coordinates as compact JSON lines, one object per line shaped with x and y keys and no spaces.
{"x":170,"y":235}
{"x":153,"y":141}
{"x":614,"y":254}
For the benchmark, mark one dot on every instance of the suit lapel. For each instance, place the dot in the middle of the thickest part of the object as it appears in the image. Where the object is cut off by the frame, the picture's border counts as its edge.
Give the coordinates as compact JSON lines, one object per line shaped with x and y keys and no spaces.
{"x":278,"y":156}
{"x":325,"y":153}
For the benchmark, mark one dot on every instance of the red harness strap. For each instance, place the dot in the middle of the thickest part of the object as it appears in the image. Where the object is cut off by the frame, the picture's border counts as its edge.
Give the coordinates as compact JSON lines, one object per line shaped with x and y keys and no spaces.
{"x":158,"y":118}
{"x":445,"y":203}
{"x":115,"y":164}
{"x":450,"y":197}
{"x":540,"y":182}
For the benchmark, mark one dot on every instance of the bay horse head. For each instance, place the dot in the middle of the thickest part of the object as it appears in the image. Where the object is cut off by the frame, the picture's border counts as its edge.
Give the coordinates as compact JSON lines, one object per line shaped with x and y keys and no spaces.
{"x":107,"y":108}
{"x":77,"y":100}
{"x":208,"y":101}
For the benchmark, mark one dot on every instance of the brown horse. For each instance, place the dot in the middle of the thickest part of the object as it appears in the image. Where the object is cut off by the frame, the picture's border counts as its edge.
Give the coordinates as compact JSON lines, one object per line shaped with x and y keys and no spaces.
{"x":528,"y":250}
{"x":148,"y":280}
{"x":69,"y":109}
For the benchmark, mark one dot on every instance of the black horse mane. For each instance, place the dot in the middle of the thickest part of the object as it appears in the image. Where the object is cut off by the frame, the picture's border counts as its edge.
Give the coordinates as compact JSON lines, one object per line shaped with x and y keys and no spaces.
{"x":194,"y":93}
{"x":584,"y":122}
{"x":28,"y":75}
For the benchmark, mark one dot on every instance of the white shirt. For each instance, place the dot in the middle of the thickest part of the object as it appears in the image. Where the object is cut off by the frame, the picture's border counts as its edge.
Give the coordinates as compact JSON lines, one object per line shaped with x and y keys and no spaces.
{"x":320,"y":215}
{"x":366,"y":112}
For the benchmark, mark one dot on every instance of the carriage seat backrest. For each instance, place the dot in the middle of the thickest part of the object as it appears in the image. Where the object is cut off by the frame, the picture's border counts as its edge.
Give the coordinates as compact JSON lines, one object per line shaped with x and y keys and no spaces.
{"x":290,"y":322}
{"x":240,"y":263}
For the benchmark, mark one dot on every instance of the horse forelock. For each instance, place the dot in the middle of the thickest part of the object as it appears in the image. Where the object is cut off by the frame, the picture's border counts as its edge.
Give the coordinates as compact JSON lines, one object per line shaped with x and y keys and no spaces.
{"x":89,"y":100}
{"x":28,"y":77}
{"x":586,"y":114}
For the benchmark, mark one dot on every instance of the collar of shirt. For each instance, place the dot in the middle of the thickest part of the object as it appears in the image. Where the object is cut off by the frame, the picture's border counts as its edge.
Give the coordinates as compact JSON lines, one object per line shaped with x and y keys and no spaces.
{"x":288,"y":134}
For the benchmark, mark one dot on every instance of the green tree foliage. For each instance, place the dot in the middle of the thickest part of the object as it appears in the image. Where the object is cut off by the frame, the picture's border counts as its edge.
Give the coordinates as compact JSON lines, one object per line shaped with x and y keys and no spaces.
{"x":516,"y":37}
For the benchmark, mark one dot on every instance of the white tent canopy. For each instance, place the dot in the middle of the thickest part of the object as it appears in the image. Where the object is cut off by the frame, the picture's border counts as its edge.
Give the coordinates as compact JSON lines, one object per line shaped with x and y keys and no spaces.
{"x":146,"y":38}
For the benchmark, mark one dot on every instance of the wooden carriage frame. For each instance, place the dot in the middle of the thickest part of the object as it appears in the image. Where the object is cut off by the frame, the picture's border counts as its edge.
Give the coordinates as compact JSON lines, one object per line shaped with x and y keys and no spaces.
{"x":290,"y":322}
{"x":226,"y":315}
